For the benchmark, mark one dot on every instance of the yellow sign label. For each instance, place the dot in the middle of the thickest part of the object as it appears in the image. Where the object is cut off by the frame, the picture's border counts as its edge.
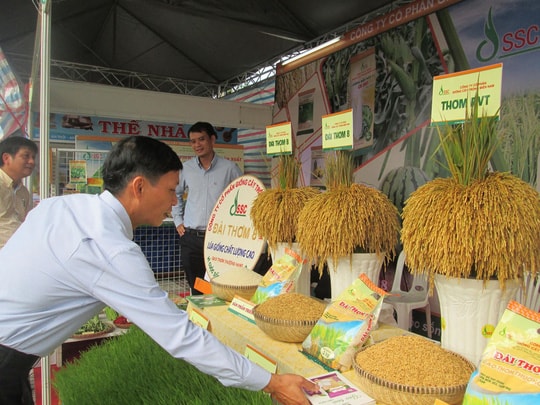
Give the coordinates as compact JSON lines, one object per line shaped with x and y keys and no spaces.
{"x":337,"y":130}
{"x":261,"y":359}
{"x":198,"y":318}
{"x":279,"y":139}
{"x":455,"y":93}
{"x":243,"y":308}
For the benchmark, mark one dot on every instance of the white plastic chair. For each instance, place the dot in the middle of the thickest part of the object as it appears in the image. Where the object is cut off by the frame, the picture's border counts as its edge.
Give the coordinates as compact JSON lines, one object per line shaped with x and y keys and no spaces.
{"x":405,"y":301}
{"x":529,"y":295}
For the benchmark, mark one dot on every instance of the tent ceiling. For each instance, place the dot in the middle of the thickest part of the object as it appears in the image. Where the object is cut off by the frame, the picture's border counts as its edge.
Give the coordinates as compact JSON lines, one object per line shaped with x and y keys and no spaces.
{"x":208,"y":41}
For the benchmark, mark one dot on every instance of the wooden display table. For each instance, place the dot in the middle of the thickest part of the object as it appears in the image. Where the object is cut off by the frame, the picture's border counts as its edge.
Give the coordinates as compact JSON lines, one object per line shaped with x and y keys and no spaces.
{"x":237,"y":332}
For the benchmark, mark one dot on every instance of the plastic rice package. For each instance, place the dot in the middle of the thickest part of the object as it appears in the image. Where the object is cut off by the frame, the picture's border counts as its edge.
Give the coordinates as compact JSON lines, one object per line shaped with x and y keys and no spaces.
{"x":345,"y":324}
{"x":509,"y":370}
{"x":280,"y":278}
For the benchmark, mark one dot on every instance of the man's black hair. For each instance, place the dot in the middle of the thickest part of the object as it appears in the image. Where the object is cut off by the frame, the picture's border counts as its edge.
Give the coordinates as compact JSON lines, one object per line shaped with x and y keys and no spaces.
{"x":14,"y":143}
{"x":138,"y":155}
{"x":202,"y":126}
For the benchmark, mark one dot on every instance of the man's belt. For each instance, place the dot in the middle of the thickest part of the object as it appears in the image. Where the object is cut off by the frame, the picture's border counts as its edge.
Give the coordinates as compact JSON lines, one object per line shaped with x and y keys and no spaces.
{"x":196,"y":232}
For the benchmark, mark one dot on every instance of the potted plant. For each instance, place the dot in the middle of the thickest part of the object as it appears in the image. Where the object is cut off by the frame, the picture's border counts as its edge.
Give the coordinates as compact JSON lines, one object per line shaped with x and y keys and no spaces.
{"x":352,"y":227}
{"x":275,"y":211}
{"x":473,"y":234}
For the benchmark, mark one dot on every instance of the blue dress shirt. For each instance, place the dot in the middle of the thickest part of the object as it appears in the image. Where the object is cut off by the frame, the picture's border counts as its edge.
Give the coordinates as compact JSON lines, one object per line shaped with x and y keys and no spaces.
{"x":74,"y":255}
{"x":203,"y":188}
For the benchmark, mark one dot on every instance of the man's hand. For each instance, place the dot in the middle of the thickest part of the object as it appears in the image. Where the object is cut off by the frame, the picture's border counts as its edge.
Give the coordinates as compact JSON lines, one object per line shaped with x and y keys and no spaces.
{"x":288,"y":389}
{"x":181,"y":230}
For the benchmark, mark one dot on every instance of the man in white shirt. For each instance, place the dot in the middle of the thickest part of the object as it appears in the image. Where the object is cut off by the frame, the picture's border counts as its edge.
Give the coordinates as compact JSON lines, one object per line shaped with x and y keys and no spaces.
{"x":17,"y":161}
{"x":74,"y":255}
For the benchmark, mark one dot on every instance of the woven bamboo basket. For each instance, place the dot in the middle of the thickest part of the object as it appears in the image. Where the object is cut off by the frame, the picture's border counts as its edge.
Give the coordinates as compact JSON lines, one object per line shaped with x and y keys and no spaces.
{"x":227,"y":292}
{"x":290,"y":331}
{"x":388,"y":392}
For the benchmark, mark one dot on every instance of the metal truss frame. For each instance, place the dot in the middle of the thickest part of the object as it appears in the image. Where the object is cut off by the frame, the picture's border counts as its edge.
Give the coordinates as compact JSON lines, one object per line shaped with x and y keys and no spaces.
{"x":62,"y":70}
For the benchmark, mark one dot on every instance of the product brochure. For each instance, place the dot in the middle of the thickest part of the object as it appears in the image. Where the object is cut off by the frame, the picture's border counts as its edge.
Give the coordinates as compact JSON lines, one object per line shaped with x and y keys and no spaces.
{"x":336,"y":389}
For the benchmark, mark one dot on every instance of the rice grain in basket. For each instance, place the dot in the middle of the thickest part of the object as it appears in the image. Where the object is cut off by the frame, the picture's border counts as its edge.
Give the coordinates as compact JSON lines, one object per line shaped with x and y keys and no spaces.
{"x":411,"y":370}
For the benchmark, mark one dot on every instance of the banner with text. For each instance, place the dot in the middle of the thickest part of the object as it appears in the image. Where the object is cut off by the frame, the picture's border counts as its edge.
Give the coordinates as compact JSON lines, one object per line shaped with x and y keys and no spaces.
{"x":65,"y":128}
{"x":231,"y":241}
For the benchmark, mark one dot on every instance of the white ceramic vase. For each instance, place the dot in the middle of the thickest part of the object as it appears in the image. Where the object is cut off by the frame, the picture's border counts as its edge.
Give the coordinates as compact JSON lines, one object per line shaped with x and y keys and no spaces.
{"x":349,"y":269}
{"x":303,"y":284}
{"x":470,"y":311}
{"x":529,"y":293}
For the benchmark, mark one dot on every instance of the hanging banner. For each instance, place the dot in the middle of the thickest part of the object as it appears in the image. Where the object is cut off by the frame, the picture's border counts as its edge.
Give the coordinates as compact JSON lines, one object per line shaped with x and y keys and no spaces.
{"x":337,"y":130}
{"x":380,"y":23}
{"x":279,"y":139}
{"x":66,"y":127}
{"x":317,"y":167}
{"x":362,"y":96}
{"x":306,"y":101}
{"x":455,"y":93}
{"x":13,"y":107}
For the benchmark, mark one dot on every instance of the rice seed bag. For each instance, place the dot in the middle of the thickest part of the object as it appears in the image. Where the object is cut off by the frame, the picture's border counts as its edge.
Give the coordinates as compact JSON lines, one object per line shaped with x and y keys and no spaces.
{"x":509,"y":370}
{"x":345,"y":324}
{"x":280,"y":278}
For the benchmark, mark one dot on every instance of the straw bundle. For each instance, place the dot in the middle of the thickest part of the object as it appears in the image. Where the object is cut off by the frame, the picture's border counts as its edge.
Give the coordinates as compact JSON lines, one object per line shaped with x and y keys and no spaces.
{"x":490,"y":229}
{"x":274,"y":212}
{"x":346,"y":219}
{"x":479,"y":224}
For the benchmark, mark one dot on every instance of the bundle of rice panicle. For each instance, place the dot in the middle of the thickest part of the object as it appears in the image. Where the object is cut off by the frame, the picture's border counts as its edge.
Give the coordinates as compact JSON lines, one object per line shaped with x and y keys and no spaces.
{"x":275,"y":211}
{"x":345,"y":219}
{"x":478,"y":223}
{"x":489,"y":229}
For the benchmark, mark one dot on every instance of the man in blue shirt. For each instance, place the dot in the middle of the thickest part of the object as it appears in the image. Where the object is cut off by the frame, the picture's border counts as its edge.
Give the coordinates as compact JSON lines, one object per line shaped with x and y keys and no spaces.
{"x":203,"y":178}
{"x":74,"y":255}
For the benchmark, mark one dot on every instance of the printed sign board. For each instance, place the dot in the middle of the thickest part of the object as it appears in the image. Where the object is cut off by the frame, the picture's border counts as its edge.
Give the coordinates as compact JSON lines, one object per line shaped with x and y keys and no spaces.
{"x":231,"y":241}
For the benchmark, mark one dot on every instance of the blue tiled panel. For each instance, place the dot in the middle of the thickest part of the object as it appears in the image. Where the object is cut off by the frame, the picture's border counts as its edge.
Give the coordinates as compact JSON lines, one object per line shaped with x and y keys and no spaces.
{"x":161,"y":246}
